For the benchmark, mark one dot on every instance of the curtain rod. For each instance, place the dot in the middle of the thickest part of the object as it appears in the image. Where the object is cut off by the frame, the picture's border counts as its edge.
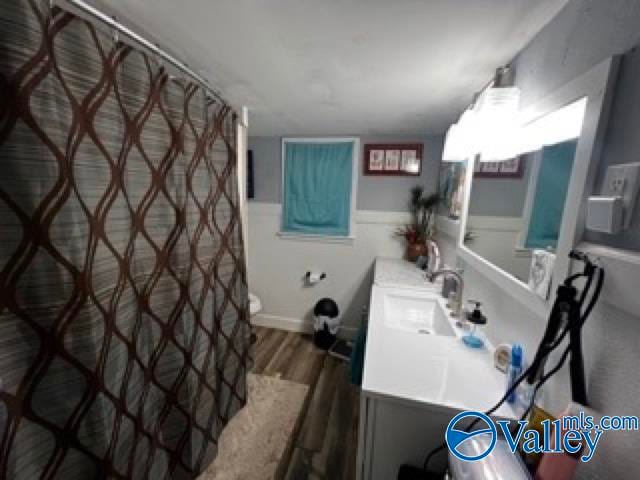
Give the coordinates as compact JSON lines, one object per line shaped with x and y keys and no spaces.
{"x":113,"y":23}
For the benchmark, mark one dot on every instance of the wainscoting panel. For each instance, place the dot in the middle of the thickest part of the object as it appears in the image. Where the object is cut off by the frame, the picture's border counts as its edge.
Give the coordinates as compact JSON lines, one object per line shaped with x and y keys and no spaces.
{"x":277,"y":267}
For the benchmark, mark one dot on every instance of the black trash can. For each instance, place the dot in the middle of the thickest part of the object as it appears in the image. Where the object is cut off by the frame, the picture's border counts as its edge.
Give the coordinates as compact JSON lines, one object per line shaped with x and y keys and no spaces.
{"x":326,"y":323}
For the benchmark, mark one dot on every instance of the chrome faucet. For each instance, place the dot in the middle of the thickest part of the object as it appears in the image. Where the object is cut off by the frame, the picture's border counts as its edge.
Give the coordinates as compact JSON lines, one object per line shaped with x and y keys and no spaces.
{"x":457,"y":308}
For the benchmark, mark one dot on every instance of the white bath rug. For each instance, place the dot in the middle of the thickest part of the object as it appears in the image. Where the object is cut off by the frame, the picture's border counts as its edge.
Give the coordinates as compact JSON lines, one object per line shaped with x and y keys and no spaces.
{"x":254,"y":442}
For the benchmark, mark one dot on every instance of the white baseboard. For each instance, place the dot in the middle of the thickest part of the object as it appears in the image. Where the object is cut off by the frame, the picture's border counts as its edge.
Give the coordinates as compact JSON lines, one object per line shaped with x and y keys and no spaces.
{"x":295,"y":325}
{"x":282,"y":323}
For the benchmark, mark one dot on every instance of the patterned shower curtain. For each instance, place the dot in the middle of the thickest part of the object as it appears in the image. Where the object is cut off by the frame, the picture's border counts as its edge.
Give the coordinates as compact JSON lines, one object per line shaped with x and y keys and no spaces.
{"x":124,"y":330}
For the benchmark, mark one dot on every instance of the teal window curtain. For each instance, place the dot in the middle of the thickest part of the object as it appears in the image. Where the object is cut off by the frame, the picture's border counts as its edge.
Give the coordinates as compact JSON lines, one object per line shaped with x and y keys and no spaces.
{"x":317,"y":188}
{"x":550,"y":196}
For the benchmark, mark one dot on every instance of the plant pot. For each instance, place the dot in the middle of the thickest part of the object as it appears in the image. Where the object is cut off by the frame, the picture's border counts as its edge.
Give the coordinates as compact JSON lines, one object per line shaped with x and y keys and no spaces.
{"x":415,"y":250}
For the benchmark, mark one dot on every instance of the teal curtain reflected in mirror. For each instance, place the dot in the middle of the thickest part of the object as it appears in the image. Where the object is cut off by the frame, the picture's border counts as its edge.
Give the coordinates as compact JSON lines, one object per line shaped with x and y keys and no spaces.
{"x":317,"y":188}
{"x":550,"y":195}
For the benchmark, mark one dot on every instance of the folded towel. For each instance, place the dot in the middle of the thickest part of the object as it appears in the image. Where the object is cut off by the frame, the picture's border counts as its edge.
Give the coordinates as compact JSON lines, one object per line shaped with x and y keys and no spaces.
{"x":542,"y":262}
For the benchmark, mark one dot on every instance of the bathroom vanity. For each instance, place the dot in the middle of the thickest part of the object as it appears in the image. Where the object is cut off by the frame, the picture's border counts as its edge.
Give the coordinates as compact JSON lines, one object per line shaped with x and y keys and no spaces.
{"x":417,"y":373}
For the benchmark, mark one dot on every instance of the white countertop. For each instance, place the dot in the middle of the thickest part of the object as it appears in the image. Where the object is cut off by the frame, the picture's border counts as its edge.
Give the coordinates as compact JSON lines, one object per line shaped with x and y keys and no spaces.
{"x":431,"y":370}
{"x":395,"y":272}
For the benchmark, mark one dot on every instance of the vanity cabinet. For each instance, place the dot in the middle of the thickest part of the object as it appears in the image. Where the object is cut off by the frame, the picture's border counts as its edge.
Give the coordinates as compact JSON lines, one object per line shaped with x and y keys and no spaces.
{"x":418,"y":374}
{"x":395,"y":432}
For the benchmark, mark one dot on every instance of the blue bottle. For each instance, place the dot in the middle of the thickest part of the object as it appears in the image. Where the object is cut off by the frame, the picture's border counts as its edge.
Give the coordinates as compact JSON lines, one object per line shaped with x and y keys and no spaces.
{"x":514,"y":371}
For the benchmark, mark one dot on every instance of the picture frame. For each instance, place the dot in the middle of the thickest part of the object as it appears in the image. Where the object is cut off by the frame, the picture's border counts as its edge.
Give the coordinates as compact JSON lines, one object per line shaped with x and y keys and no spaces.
{"x":402,"y":159}
{"x":376,"y":160}
{"x":513,"y":168}
{"x":392,"y":160}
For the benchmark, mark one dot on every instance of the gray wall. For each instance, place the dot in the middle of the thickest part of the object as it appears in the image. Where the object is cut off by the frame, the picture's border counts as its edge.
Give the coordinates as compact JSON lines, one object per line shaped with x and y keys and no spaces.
{"x":500,"y":197}
{"x":622,"y":144}
{"x":374,"y":193}
{"x":583,"y":34}
{"x":267,"y":169}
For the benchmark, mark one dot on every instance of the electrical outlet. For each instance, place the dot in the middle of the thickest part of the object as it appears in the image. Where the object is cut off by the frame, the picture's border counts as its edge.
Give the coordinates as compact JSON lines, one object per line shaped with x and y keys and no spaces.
{"x":623,"y":181}
{"x":617,"y":186}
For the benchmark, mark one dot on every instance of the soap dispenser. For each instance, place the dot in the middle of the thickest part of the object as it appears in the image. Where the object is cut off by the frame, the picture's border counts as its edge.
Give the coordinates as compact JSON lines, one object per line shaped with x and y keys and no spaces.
{"x":476,"y":318}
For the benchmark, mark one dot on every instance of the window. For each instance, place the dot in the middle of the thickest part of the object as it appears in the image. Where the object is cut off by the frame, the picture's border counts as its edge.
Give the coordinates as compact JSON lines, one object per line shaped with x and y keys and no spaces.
{"x":554,"y":139}
{"x":319,"y":186}
{"x":552,"y":185}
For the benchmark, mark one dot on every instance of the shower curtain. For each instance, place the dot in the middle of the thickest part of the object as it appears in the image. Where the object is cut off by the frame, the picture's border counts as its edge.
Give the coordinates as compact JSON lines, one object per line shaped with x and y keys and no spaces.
{"x":124,"y":330}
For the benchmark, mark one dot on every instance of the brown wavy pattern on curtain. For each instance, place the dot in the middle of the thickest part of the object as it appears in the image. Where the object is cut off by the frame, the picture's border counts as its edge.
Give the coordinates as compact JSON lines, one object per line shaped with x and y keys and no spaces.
{"x":124,"y":330}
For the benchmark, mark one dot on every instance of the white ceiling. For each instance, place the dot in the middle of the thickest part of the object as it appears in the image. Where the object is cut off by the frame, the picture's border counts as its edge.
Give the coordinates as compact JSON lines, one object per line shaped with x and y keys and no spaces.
{"x":320,"y":67}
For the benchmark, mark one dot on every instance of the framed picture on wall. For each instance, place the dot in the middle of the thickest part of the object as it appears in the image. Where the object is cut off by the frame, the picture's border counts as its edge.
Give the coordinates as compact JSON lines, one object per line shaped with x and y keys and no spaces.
{"x":513,"y":168}
{"x":409,"y":162}
{"x":489,"y":167}
{"x":510,"y":166}
{"x":376,"y":161}
{"x":393,"y":159}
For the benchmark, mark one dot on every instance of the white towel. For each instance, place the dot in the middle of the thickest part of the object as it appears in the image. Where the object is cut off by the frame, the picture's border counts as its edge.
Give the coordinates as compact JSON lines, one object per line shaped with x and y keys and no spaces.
{"x":542,"y":263}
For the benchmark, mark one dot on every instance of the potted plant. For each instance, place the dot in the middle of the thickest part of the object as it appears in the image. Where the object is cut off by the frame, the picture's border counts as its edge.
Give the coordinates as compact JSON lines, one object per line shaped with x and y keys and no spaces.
{"x":420,"y":229}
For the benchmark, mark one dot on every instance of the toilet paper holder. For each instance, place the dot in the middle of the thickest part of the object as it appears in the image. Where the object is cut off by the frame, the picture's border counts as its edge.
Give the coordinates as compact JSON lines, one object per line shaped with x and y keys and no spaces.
{"x":307,"y":276}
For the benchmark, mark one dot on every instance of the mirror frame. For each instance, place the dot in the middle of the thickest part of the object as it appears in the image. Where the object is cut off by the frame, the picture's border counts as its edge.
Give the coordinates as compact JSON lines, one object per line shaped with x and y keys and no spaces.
{"x":597,"y":85}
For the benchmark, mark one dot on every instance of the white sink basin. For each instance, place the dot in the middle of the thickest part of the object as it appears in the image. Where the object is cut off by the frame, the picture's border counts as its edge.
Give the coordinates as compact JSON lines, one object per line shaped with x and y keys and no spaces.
{"x":418,"y":314}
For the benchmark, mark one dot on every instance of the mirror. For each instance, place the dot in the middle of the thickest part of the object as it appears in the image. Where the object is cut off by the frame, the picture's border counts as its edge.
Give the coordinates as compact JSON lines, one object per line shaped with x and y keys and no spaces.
{"x":516,"y":207}
{"x":451,"y":188}
{"x":558,"y":136}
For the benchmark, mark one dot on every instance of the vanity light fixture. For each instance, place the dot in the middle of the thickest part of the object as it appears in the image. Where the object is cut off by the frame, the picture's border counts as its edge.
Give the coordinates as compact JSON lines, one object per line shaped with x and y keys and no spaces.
{"x":514,"y":137}
{"x":454,"y":145}
{"x":488,"y":127}
{"x":462,"y":138}
{"x":497,"y":109}
{"x":556,"y":127}
{"x":500,"y":142}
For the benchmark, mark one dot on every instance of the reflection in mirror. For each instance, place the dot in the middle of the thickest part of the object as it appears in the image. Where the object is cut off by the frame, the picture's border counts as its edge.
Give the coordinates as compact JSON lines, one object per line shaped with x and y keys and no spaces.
{"x":452,"y":177}
{"x":516,"y":206}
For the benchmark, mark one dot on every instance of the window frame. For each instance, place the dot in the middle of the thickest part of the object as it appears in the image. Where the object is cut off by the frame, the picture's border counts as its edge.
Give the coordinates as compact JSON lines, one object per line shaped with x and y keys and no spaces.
{"x":355,"y":162}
